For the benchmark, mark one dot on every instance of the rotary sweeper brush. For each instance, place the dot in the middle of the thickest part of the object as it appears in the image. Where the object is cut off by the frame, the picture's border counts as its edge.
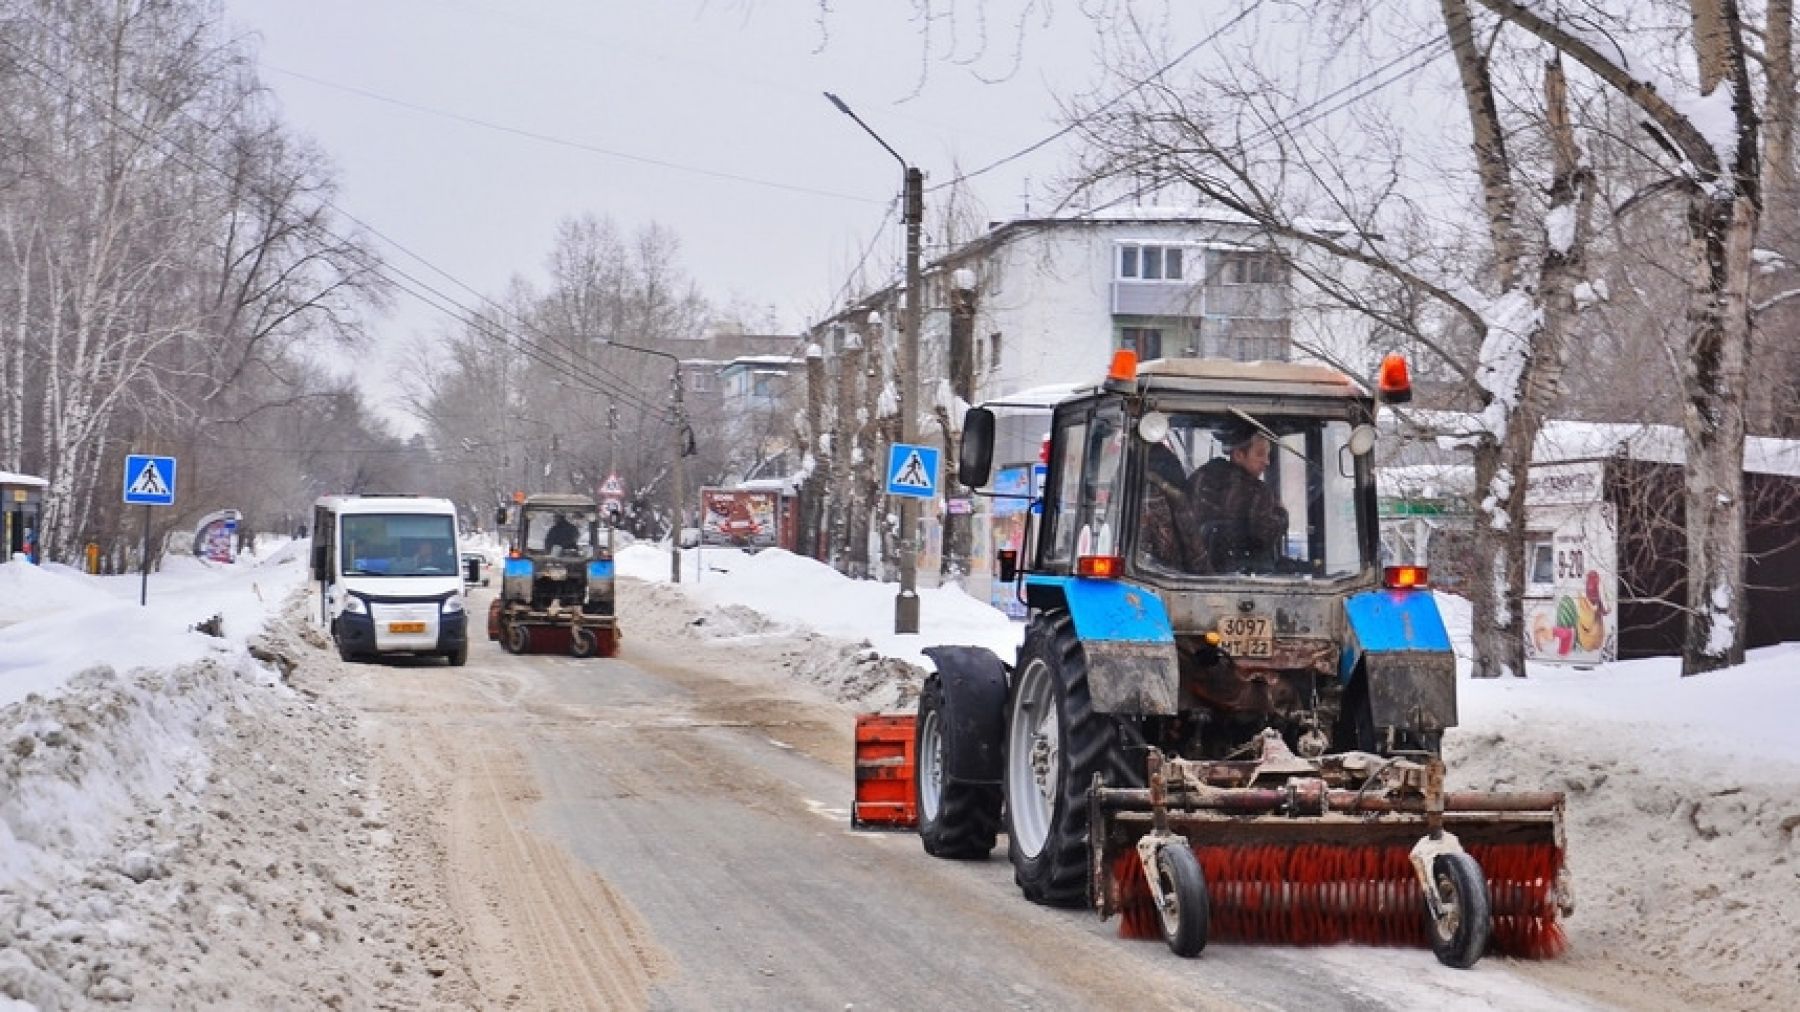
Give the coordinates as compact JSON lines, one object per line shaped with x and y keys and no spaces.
{"x":1345,"y":848}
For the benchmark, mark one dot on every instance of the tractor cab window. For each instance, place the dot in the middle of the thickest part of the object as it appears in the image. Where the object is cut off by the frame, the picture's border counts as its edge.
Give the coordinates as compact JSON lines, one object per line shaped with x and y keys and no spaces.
{"x":1259,"y":494}
{"x":569,"y":532}
{"x":1089,"y":488}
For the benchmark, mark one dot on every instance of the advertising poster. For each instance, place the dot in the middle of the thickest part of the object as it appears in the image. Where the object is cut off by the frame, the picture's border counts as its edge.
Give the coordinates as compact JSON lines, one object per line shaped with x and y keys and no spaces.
{"x":1007,"y":530}
{"x":1571,"y":620}
{"x":739,"y":518}
{"x":215,"y":536}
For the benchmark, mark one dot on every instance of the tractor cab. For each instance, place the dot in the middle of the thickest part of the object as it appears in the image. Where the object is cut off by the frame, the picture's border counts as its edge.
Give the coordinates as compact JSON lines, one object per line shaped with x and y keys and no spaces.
{"x":556,"y":589}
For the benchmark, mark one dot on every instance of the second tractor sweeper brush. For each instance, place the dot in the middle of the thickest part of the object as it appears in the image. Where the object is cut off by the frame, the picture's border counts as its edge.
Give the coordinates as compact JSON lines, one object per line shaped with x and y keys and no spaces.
{"x":1344,"y":848}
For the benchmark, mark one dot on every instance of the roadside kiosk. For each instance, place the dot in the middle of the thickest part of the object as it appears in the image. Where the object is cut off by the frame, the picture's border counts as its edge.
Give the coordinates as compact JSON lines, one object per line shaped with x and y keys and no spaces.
{"x":21,"y":515}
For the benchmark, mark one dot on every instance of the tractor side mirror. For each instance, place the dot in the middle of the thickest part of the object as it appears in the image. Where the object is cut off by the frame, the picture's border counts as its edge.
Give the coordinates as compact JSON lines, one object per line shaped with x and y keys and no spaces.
{"x":975,"y":456}
{"x":318,"y":563}
{"x":1009,"y":565}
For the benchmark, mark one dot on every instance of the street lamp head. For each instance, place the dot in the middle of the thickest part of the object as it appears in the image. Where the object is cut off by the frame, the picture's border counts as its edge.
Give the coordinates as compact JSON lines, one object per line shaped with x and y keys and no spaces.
{"x":841,"y":107}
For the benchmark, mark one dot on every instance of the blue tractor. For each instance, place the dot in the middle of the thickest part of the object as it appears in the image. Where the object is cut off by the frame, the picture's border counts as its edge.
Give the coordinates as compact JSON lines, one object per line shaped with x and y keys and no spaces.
{"x":1225,"y":667}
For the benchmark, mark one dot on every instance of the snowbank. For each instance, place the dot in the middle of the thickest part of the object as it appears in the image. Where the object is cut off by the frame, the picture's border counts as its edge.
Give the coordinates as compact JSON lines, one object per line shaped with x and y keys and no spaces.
{"x":794,"y":593}
{"x":190,"y":833}
{"x":56,"y":622}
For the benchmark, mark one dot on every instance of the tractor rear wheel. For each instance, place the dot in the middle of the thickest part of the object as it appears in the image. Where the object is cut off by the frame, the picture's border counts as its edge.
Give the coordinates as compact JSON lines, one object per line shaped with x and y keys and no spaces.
{"x":955,"y":820}
{"x":1055,"y":744}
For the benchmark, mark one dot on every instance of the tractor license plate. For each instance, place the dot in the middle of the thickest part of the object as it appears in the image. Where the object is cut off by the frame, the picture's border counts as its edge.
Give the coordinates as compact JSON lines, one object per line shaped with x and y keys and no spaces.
{"x":406,"y":627}
{"x":1246,"y":636}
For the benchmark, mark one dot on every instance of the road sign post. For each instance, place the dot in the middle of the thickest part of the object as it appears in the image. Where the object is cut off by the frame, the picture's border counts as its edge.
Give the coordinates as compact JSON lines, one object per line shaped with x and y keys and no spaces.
{"x":149,"y":481}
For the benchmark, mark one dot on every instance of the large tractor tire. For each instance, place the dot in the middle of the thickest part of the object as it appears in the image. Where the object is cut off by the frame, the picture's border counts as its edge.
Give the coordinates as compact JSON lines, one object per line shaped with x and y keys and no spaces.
{"x":956,"y":820}
{"x":1055,"y":743}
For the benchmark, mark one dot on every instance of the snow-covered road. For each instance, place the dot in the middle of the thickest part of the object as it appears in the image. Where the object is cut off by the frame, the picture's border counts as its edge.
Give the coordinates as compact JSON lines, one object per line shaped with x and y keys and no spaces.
{"x":185,"y":824}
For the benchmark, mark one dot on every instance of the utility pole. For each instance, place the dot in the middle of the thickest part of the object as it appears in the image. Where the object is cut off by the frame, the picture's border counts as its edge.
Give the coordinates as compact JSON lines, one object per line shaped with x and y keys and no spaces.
{"x":812,"y":509}
{"x":612,"y":433}
{"x":906,"y":602}
{"x":682,"y":440}
{"x":680,"y":483}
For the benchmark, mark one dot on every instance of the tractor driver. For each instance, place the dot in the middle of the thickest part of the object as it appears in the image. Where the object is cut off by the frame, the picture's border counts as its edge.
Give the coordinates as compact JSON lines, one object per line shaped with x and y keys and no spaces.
{"x":1240,"y":522}
{"x":562,"y":534}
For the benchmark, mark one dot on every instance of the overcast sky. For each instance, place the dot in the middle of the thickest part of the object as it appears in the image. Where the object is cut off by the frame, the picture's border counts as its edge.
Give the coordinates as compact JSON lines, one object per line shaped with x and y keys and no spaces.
{"x":707,"y":118}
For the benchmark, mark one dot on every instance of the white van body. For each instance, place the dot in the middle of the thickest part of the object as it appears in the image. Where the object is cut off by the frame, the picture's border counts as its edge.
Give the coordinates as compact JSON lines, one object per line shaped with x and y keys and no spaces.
{"x":390,"y":578}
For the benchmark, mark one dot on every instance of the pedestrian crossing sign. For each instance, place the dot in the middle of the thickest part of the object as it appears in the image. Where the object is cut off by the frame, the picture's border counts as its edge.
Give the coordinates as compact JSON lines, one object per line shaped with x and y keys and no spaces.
{"x":912,"y":470}
{"x":149,"y":481}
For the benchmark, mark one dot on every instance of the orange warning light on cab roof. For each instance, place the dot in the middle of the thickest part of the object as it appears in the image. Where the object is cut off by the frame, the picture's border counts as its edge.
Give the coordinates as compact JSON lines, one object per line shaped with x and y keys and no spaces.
{"x":1124,"y":365}
{"x":1395,"y":380}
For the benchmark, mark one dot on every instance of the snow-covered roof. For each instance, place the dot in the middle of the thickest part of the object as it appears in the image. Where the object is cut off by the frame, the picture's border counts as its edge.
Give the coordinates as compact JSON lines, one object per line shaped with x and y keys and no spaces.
{"x":14,"y":478}
{"x":1045,"y":397}
{"x":1562,"y":440}
{"x":782,"y":360}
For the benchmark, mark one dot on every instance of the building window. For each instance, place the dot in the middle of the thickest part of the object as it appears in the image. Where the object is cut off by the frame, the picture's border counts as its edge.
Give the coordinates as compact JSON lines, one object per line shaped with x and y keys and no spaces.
{"x":1249,"y":269}
{"x":762,"y":386}
{"x":1146,"y":341}
{"x":1150,"y":263}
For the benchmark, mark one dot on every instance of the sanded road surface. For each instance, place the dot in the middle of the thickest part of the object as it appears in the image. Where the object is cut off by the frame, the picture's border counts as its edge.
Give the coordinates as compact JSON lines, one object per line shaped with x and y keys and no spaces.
{"x":654,"y":831}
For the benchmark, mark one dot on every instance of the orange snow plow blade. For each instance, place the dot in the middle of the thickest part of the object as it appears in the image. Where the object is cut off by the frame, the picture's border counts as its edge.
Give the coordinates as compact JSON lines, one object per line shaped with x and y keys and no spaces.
{"x":1317,"y":852}
{"x":884,"y":771}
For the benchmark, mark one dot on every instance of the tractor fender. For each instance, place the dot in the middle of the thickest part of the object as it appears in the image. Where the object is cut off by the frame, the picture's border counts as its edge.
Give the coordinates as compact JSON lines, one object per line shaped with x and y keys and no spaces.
{"x":1129,"y":642}
{"x":974,"y":682}
{"x":1399,"y":641}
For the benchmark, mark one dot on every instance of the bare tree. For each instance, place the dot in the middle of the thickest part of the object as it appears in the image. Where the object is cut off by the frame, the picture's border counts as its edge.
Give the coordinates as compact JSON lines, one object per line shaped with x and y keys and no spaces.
{"x":1712,"y":142}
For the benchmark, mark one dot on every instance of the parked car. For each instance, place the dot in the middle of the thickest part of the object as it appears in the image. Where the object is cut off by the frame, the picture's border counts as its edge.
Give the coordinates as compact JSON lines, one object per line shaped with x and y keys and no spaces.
{"x":475,"y":568}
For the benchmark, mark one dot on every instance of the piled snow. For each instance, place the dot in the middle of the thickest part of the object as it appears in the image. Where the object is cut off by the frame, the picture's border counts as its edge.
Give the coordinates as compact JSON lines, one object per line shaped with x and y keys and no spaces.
{"x":56,"y":621}
{"x":193,"y":834}
{"x":1683,"y":813}
{"x":793,"y":593}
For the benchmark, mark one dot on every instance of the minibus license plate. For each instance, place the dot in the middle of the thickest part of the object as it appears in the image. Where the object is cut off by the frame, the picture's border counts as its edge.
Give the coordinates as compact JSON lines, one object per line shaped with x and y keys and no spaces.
{"x":406,"y":627}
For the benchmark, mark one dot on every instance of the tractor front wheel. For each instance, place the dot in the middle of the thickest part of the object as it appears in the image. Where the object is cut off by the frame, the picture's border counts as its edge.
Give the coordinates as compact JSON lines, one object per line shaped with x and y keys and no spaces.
{"x":518,"y":638}
{"x":1055,"y":744}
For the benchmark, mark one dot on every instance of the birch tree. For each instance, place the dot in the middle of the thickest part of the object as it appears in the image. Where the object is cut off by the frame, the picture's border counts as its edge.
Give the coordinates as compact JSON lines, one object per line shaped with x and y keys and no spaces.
{"x":1331,"y":200}
{"x":1711,"y":137}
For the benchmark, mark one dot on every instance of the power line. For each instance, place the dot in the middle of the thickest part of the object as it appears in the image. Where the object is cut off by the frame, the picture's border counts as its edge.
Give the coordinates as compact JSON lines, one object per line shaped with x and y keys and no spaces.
{"x":1102,"y":107}
{"x":563,"y":141}
{"x":595,"y":377}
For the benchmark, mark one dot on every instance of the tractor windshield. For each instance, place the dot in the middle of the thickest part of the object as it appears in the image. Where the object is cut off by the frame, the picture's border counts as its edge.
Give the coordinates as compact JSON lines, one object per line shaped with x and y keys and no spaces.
{"x":568,"y":531}
{"x":1264,"y":494}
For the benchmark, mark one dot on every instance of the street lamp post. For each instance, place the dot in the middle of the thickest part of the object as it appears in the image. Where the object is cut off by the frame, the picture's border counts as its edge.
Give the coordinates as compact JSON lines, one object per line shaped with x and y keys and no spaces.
{"x":906,"y":602}
{"x":679,"y":485}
